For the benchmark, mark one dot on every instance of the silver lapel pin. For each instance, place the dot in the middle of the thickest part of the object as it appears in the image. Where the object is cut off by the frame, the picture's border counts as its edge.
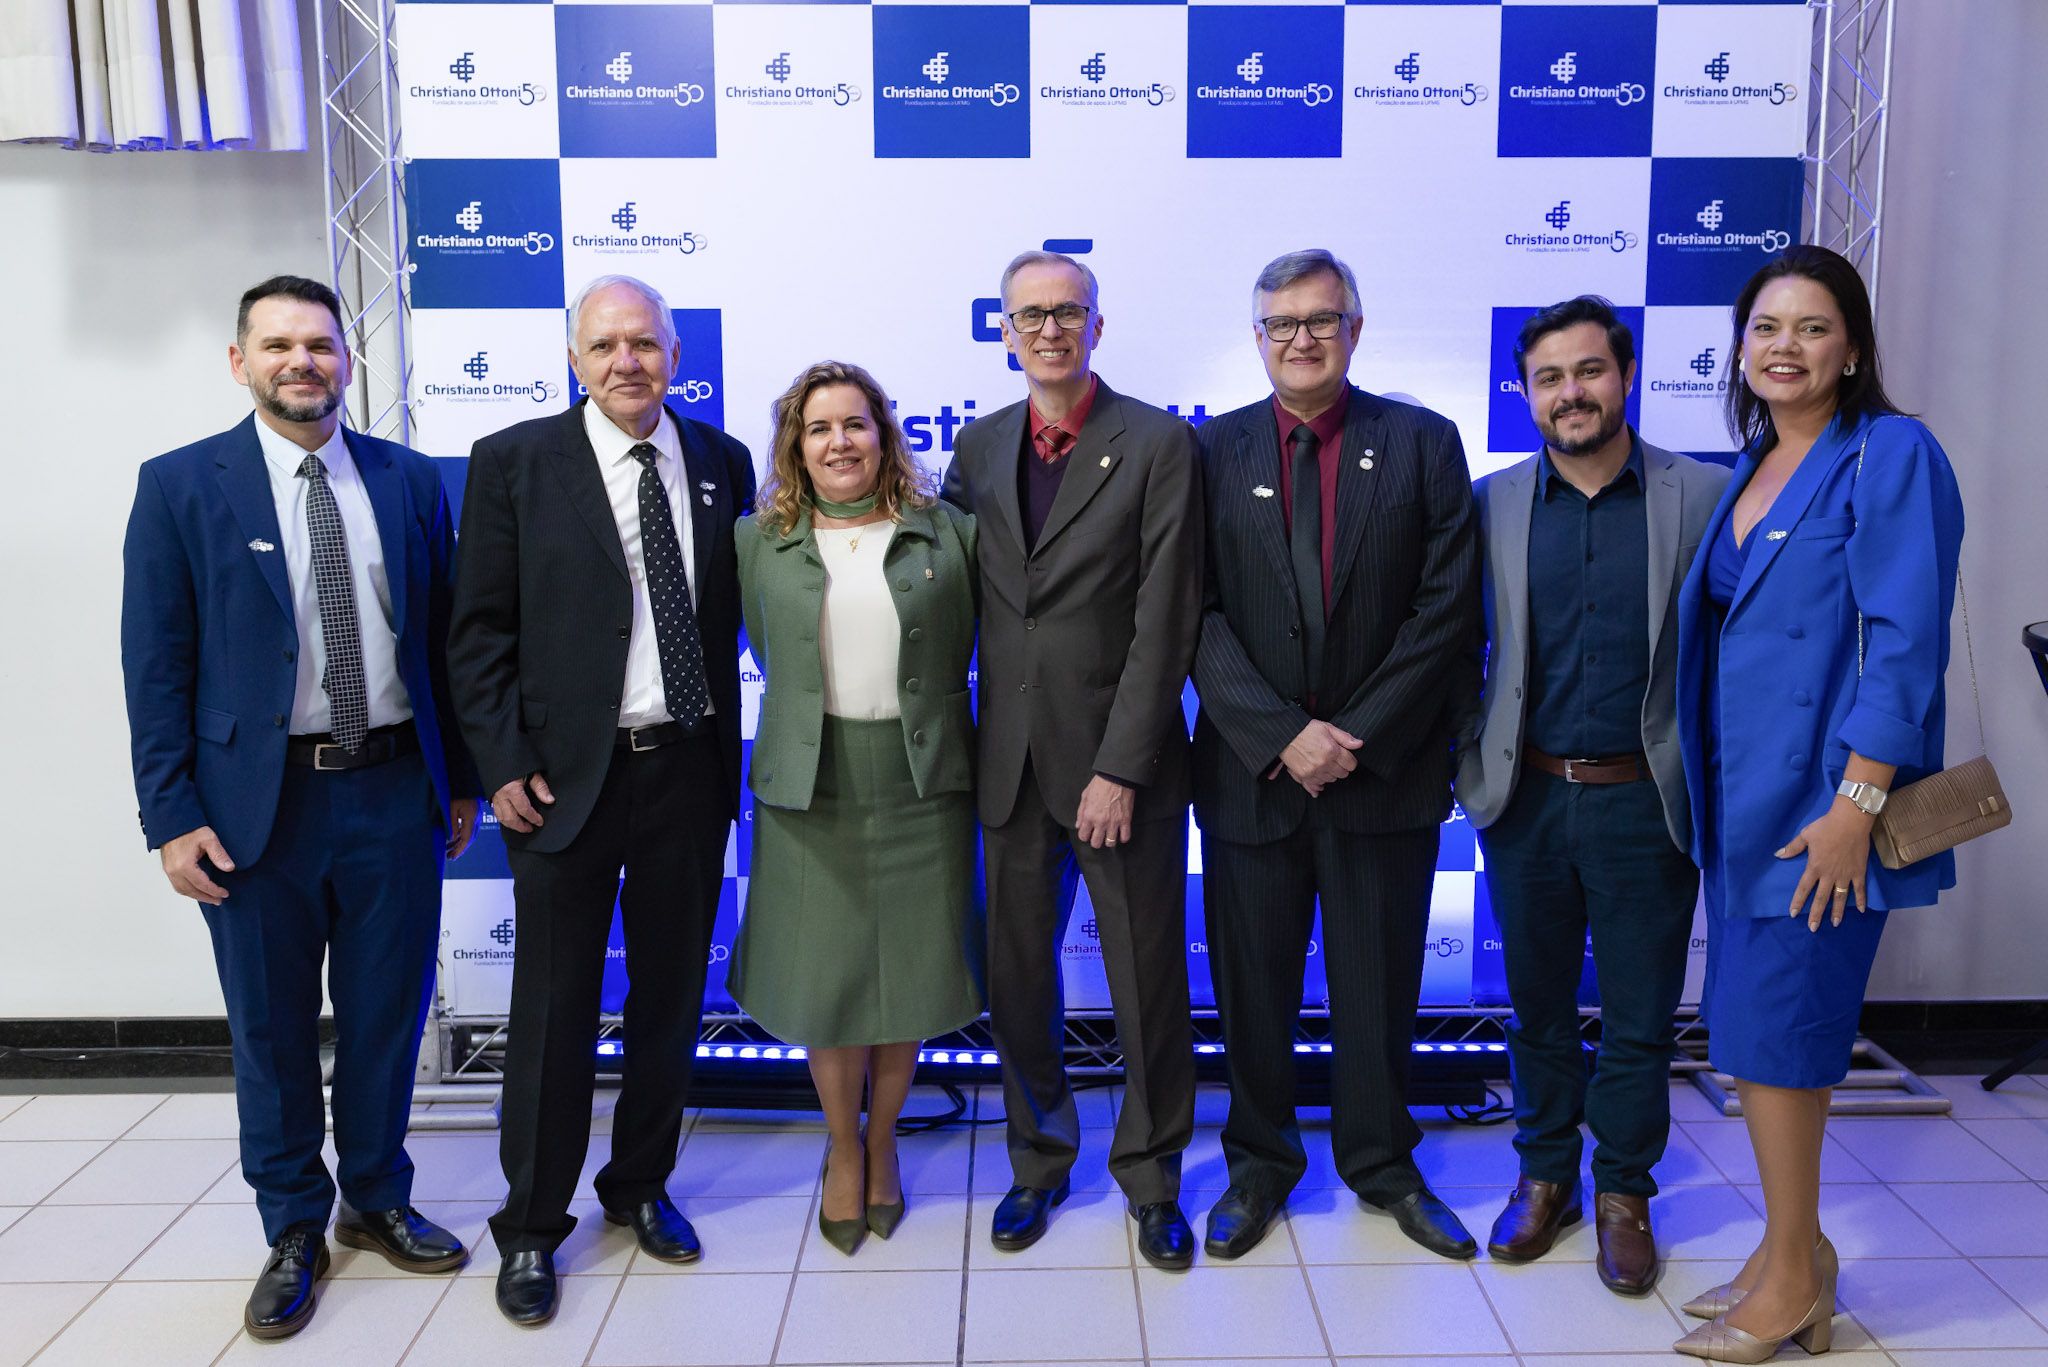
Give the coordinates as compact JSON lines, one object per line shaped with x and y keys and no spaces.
{"x":706,"y":484}
{"x":1105,"y":462}
{"x":1365,"y":463}
{"x":707,"y":500}
{"x":259,"y":544}
{"x":1261,"y":491}
{"x":1776,"y":536}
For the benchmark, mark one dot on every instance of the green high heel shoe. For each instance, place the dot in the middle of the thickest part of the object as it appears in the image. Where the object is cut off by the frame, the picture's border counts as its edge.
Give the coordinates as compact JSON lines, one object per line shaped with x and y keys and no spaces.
{"x":845,"y":1235}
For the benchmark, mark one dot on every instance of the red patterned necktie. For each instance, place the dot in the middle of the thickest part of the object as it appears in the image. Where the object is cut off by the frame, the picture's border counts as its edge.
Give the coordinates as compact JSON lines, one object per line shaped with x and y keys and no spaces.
{"x":1052,"y":443}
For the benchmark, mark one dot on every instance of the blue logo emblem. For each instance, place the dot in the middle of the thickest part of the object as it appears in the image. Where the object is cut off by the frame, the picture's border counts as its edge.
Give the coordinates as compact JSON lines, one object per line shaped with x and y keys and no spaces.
{"x":476,"y":367}
{"x":1408,"y":68}
{"x":1095,"y":68}
{"x":625,"y":218}
{"x":1718,"y":68}
{"x":1575,"y":80}
{"x":1702,"y":365}
{"x":1264,"y":81}
{"x":463,"y":68}
{"x":635,"y":80}
{"x":1560,"y":218}
{"x":501,"y":933}
{"x":1714,"y":220}
{"x":951,"y":80}
{"x":485,"y":233}
{"x":778,"y":68}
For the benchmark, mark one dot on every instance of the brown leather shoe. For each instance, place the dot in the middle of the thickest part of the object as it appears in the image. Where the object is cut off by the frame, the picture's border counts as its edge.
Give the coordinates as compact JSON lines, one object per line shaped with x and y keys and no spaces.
{"x":1628,"y":1250}
{"x":1534,"y":1215}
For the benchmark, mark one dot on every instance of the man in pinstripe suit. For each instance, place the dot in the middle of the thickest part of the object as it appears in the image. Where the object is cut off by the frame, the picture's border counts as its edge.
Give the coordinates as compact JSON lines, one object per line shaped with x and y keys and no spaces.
{"x":1339,"y":640}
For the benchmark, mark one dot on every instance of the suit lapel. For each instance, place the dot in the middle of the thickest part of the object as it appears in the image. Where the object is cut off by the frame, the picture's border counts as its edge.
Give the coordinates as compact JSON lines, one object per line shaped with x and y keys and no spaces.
{"x":1788,"y":508}
{"x":1664,"y":500}
{"x":386,"y":488}
{"x":1258,"y":468}
{"x":1364,"y":430}
{"x":1513,"y":500}
{"x":709,"y":501}
{"x":1088,"y":466}
{"x":245,"y":480}
{"x":576,"y":465}
{"x":1006,"y":449}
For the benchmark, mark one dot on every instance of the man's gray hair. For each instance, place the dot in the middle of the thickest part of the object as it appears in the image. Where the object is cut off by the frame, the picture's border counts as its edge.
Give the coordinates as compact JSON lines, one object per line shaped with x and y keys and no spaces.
{"x":664,"y":320}
{"x":1283,"y":271}
{"x":1037,"y":258}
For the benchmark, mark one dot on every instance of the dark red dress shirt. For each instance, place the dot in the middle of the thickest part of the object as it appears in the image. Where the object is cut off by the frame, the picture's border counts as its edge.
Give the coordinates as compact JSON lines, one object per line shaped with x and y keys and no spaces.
{"x":1329,"y":429}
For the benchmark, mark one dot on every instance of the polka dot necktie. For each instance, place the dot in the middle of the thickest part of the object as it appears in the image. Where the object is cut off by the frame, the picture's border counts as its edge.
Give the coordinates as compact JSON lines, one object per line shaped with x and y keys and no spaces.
{"x":683,"y":682}
{"x":348,"y":698}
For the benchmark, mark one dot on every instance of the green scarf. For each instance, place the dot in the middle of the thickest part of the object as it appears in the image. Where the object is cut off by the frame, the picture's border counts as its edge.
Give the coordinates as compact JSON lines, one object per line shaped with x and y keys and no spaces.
{"x":860,"y":507}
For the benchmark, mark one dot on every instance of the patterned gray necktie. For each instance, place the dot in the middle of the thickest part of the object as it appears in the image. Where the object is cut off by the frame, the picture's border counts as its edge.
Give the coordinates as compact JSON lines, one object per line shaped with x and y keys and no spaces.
{"x":348,"y":697}
{"x":683,"y":684}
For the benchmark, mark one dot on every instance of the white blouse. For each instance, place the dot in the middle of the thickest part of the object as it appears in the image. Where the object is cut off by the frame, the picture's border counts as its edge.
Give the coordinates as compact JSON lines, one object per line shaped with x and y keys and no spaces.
{"x":858,"y":631}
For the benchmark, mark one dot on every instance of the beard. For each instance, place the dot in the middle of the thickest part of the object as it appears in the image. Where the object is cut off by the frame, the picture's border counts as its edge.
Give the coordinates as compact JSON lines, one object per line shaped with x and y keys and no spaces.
{"x":1610,"y":423}
{"x":279,"y":407}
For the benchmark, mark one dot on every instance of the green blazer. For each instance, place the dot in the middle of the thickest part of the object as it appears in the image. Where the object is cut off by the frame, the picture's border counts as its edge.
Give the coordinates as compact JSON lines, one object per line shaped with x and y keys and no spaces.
{"x":931,"y":562}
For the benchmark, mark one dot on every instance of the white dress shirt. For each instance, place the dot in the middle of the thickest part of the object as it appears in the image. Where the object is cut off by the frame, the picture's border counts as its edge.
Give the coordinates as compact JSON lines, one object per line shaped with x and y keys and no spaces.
{"x":389,"y":702}
{"x":644,"y":702}
{"x":858,"y":630}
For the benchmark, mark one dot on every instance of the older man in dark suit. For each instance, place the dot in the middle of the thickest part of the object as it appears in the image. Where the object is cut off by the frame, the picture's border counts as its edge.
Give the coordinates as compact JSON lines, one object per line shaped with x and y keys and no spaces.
{"x":1090,"y":523}
{"x":1340,"y":627}
{"x":594,"y":659}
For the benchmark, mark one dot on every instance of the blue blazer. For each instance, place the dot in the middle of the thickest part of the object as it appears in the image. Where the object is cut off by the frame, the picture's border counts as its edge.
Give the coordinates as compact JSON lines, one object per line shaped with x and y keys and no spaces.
{"x":208,"y":639}
{"x":1793,"y":704}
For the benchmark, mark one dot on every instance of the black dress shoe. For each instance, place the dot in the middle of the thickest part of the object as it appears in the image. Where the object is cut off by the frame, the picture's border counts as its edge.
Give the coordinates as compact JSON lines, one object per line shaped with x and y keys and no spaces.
{"x":661,"y":1229}
{"x":283,"y":1302}
{"x":1022,"y":1215}
{"x":1432,"y":1224}
{"x":527,"y":1291}
{"x":1164,"y":1237}
{"x":407,"y":1240}
{"x":1237,"y":1223}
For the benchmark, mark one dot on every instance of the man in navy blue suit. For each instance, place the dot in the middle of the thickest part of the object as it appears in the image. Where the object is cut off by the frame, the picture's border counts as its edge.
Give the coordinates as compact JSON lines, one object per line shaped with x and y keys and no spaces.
{"x":283,"y":623}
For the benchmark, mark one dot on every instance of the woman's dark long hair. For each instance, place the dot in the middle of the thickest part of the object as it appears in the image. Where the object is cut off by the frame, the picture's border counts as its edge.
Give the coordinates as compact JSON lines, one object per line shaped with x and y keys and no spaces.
{"x":1749,"y":417}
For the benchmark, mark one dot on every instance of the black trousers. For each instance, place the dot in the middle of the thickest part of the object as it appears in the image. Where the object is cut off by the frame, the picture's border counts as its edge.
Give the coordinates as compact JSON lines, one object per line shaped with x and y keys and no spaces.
{"x":1260,"y":904}
{"x":1139,"y":892}
{"x":1564,"y":859}
{"x":663,"y":816}
{"x":352,"y":874}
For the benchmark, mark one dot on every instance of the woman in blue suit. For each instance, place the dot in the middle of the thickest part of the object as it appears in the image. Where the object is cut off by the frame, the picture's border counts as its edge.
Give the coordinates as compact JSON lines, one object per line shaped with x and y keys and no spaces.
{"x":1813,"y":641}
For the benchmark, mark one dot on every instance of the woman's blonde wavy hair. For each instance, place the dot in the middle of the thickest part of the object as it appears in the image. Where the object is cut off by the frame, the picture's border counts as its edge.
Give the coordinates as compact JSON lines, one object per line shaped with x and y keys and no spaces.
{"x":786,"y":494}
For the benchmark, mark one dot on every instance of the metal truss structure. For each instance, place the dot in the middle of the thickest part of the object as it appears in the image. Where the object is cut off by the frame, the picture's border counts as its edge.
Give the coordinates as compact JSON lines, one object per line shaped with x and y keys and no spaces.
{"x":363,"y":175}
{"x":1847,"y":125}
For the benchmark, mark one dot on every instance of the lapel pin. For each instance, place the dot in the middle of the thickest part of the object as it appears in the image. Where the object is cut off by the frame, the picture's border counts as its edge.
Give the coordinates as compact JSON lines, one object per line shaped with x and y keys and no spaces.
{"x":927,"y":574}
{"x":706,"y":484}
{"x":707,"y":500}
{"x":1105,"y":462}
{"x":259,"y":544}
{"x":1261,"y":491}
{"x":1365,"y":462}
{"x":1776,"y":536}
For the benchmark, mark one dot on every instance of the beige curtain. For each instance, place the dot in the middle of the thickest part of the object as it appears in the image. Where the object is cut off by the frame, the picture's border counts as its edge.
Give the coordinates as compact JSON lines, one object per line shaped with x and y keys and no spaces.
{"x":145,"y":75}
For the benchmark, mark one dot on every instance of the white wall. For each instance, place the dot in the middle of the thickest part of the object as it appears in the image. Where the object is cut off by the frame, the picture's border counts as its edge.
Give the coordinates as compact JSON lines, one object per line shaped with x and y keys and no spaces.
{"x":117,"y":284}
{"x":1963,"y":320}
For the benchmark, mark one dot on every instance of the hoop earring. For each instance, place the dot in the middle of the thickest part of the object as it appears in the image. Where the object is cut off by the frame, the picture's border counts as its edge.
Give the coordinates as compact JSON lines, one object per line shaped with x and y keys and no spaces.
{"x":1849,"y":369}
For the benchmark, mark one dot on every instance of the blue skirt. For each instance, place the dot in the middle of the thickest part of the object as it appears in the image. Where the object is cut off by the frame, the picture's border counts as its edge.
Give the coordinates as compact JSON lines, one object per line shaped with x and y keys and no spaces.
{"x":1781,"y":1001}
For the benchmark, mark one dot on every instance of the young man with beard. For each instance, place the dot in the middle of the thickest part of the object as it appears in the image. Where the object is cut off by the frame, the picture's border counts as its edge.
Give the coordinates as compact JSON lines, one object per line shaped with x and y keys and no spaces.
{"x":283,"y":624}
{"x":1573,"y":780}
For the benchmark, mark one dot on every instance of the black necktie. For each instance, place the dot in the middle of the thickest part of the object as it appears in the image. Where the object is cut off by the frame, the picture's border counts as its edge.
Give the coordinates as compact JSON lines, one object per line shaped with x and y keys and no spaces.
{"x":1305,"y":543}
{"x":683,"y":683}
{"x":348,"y":697}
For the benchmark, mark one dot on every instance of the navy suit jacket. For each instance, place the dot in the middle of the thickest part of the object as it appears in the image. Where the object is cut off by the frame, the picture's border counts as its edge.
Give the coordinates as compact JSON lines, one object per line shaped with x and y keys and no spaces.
{"x":1795,"y":699}
{"x":1401,"y":654}
{"x":208,"y":641}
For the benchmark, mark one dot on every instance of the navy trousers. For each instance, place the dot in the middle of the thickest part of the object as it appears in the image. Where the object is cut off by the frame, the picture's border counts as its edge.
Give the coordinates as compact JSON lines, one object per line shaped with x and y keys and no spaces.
{"x":352,"y":875}
{"x":1563,"y":860}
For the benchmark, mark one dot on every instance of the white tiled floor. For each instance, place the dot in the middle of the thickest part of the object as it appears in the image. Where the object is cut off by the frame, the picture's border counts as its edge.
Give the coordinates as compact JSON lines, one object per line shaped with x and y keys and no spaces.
{"x":127,"y":1236}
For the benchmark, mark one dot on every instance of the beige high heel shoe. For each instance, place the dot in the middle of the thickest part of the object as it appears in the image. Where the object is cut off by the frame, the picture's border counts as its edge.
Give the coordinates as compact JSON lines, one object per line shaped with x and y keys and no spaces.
{"x":1721,"y":1299}
{"x":1719,"y":1341}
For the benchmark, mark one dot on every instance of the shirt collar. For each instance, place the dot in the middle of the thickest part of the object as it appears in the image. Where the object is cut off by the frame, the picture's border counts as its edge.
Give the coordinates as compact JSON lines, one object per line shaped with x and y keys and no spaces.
{"x":613,"y":444}
{"x":1546,"y":473}
{"x":1328,"y":425}
{"x":1070,"y":424}
{"x":286,"y":456}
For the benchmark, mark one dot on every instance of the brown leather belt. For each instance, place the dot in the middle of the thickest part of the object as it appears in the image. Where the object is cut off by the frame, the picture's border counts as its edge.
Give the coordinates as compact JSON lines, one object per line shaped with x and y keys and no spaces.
{"x":1615,"y":769}
{"x":380,"y":746}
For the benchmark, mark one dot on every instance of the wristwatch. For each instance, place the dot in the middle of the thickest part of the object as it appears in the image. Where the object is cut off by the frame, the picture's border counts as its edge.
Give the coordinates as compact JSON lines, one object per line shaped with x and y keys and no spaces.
{"x":1868,"y":797}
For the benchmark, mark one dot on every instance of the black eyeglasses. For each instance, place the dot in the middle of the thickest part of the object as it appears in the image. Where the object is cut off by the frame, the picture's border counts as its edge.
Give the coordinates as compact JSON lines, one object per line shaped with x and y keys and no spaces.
{"x":1321,"y":326}
{"x":1068,"y":316}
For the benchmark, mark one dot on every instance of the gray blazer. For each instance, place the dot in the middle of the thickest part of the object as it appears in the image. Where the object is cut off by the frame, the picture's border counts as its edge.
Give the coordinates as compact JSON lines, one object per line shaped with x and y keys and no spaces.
{"x":1679,"y":496}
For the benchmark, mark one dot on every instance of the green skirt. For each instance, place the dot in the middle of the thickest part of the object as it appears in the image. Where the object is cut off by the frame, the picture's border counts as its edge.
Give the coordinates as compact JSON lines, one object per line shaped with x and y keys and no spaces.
{"x":863,"y":922}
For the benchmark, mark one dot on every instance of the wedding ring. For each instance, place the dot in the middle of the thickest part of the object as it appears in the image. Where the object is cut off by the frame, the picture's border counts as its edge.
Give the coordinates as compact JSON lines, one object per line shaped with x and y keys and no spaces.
{"x":1839,"y":889}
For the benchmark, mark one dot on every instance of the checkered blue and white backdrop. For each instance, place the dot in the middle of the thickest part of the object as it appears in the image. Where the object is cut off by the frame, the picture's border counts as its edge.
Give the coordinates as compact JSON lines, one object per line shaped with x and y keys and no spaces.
{"x":812,"y":180}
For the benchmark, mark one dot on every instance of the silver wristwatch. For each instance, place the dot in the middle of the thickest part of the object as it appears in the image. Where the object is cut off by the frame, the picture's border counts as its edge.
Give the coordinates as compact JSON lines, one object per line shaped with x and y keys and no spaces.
{"x":1868,"y":797}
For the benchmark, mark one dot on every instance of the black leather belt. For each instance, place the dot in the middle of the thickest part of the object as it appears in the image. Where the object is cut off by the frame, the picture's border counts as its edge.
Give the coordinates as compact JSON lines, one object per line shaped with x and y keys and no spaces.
{"x":637,"y":738}
{"x":380,"y":746}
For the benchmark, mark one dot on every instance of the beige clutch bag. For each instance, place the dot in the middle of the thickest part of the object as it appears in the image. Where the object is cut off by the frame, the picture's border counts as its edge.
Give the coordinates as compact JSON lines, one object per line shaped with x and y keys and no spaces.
{"x":1939,"y":813}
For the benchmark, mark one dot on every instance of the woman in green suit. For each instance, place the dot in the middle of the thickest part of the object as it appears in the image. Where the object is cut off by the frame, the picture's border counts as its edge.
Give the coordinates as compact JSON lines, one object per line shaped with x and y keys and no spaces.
{"x":863,"y":931}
